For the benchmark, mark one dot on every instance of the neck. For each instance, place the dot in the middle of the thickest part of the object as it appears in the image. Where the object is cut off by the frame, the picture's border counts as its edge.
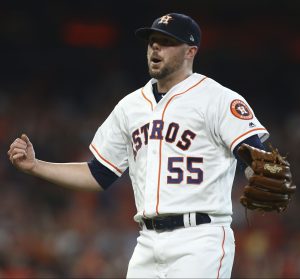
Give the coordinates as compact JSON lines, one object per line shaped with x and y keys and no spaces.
{"x":165,"y":84}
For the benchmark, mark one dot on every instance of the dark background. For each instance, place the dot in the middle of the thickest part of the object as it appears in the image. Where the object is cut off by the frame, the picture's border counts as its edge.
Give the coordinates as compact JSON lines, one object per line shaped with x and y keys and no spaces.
{"x":63,"y":67}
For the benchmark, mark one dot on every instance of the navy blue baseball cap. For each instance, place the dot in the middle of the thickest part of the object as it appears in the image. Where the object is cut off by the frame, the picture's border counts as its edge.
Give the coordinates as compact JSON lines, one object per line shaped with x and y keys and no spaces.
{"x":179,"y":26}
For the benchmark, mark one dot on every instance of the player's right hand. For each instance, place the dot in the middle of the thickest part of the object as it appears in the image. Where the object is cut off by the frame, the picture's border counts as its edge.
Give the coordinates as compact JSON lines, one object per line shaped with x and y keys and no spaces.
{"x":21,"y":154}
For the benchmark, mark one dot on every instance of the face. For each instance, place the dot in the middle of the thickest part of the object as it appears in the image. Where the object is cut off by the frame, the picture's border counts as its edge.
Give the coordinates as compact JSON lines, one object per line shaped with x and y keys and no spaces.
{"x":165,"y":55}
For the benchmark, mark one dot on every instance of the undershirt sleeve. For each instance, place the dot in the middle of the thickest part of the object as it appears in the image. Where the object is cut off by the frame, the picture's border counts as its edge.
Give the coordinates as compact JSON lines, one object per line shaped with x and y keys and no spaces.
{"x":252,"y":141}
{"x":104,"y":176}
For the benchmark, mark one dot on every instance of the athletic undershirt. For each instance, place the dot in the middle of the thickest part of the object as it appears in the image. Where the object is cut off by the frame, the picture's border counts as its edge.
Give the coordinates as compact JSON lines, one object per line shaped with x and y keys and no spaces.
{"x":104,"y":176}
{"x":157,"y":95}
{"x":252,"y":141}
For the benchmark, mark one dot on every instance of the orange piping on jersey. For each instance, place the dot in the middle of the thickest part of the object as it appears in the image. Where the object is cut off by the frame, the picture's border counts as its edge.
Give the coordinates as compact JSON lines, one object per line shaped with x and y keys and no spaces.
{"x":223,"y":253}
{"x":152,"y":110}
{"x":256,"y":129}
{"x":117,"y":169}
{"x":147,"y":98}
{"x":160,"y":143}
{"x":158,"y":178}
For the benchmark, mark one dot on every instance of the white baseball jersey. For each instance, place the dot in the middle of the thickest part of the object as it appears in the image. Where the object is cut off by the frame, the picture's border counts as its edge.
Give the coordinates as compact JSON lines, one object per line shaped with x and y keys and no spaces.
{"x":179,"y":151}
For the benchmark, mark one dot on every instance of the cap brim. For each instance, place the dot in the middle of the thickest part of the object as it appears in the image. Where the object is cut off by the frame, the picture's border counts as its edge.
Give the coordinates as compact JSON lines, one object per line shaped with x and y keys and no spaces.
{"x":144,"y":33}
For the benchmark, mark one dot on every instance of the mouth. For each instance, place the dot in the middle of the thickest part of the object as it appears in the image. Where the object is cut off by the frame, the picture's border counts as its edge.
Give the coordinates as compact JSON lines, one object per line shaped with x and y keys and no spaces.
{"x":155,"y":60}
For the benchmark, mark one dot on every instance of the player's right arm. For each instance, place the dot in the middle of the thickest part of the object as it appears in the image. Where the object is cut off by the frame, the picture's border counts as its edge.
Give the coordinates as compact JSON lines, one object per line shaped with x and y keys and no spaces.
{"x":75,"y":176}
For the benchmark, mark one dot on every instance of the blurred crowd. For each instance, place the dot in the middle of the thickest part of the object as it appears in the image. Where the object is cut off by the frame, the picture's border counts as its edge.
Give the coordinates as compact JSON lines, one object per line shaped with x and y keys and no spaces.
{"x":59,"y":95}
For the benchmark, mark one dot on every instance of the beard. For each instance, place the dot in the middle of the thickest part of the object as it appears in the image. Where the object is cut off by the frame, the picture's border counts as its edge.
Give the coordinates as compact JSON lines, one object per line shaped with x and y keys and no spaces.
{"x":160,"y":74}
{"x":166,"y":70}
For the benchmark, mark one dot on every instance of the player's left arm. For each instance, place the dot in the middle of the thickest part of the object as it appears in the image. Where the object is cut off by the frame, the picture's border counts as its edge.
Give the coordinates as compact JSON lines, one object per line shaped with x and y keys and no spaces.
{"x":253,"y":141}
{"x":270,"y":186}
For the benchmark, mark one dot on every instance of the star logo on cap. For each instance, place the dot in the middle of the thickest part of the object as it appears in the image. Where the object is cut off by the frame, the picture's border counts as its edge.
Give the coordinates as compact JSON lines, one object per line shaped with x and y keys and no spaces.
{"x":165,"y":19}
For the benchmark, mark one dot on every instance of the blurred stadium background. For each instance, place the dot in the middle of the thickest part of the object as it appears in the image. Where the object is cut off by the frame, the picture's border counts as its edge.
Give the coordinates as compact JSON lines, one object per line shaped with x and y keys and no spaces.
{"x":63,"y":67}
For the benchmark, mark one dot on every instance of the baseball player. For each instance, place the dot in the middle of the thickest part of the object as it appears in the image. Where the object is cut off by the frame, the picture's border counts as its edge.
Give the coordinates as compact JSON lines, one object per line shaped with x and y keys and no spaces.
{"x":178,"y":135}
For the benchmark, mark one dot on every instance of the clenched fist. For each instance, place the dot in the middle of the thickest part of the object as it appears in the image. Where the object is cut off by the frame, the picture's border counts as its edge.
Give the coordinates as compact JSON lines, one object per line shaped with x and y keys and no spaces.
{"x":21,"y":154}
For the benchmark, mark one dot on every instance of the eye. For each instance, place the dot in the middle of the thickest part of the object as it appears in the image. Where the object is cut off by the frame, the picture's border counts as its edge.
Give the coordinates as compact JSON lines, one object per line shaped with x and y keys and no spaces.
{"x":166,"y":42}
{"x":150,"y":41}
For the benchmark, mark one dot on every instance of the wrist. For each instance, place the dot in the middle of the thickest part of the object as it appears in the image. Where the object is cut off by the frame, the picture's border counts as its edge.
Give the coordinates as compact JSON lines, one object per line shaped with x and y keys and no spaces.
{"x":34,"y":168}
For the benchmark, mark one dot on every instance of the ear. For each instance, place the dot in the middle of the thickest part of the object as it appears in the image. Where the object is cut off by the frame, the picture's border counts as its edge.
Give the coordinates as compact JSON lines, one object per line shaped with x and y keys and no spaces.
{"x":191,"y":51}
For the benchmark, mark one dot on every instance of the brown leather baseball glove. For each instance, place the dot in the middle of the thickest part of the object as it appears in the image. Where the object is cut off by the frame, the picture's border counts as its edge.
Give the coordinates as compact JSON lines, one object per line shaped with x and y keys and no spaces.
{"x":270,"y":184}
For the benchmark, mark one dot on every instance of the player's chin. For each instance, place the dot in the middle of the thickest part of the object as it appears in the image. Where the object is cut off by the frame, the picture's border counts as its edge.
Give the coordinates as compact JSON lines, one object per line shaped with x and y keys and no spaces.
{"x":154,"y":73}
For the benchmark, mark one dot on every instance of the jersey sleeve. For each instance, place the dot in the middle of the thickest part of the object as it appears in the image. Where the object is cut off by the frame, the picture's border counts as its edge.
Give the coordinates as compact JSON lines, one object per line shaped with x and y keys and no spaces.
{"x":236,"y":120}
{"x":109,"y":144}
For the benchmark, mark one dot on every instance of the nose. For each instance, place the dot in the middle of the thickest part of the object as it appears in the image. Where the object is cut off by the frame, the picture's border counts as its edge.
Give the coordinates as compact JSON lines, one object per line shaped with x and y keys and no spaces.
{"x":154,"y":44}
